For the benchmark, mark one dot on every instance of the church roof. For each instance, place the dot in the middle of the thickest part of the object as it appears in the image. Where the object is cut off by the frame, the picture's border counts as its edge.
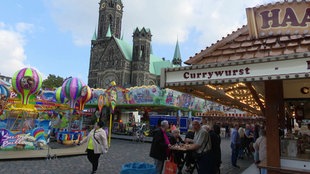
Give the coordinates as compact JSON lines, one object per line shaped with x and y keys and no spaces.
{"x":156,"y":63}
{"x":125,"y":47}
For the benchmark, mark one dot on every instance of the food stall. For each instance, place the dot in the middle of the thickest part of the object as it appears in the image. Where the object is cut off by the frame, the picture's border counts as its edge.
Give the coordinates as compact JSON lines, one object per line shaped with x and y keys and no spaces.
{"x":262,"y":68}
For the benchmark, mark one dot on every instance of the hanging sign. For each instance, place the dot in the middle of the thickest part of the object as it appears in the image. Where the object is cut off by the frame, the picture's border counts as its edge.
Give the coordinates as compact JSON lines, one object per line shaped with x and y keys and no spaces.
{"x":287,"y":18}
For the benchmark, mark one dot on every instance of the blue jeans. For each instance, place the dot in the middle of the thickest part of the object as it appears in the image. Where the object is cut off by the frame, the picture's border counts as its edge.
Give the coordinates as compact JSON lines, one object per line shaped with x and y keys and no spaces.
{"x":159,"y":164}
{"x":263,"y":171}
{"x":234,"y":153}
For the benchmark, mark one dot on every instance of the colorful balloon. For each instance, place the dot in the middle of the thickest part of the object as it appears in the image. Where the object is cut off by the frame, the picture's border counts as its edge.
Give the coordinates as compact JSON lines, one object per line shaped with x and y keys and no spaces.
{"x":72,"y":88}
{"x":86,"y":95}
{"x":59,"y":96}
{"x":4,"y":91}
{"x":26,"y":82}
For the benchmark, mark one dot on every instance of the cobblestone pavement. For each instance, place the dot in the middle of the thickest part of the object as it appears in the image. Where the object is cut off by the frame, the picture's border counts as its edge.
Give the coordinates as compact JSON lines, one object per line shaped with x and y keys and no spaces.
{"x":121,"y":152}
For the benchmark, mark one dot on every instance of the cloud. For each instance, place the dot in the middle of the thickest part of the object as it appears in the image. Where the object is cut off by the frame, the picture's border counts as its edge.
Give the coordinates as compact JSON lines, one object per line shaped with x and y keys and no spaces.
{"x":24,"y":27}
{"x":204,"y":21}
{"x":12,"y":48}
{"x":12,"y":54}
{"x":78,"y":17}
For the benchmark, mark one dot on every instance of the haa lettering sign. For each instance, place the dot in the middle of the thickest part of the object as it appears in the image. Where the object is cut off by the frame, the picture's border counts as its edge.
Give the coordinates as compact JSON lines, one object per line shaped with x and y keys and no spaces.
{"x":286,"y":18}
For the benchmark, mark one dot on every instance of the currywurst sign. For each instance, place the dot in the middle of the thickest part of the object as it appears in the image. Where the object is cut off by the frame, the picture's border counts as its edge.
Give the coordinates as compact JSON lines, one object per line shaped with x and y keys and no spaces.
{"x":263,"y":69}
{"x":279,"y":19}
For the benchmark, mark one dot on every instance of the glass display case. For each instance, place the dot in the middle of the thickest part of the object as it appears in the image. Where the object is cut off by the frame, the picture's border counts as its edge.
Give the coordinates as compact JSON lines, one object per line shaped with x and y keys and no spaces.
{"x":296,"y":145}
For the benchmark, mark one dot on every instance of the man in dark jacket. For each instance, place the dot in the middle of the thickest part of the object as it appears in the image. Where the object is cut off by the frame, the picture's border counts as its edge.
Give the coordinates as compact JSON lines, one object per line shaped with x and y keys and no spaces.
{"x":160,"y":146}
{"x":216,"y":148}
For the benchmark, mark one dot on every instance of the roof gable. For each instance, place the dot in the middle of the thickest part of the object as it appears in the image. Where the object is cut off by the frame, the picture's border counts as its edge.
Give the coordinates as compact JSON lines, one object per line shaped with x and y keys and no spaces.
{"x":240,"y":46}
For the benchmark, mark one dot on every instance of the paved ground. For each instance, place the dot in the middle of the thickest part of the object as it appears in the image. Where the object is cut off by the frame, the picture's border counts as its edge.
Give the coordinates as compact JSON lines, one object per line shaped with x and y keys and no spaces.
{"x":121,"y":152}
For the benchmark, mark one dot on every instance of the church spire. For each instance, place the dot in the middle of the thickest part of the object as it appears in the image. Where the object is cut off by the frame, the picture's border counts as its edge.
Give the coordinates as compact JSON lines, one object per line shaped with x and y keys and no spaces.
{"x":94,"y":35}
{"x":177,"y":55}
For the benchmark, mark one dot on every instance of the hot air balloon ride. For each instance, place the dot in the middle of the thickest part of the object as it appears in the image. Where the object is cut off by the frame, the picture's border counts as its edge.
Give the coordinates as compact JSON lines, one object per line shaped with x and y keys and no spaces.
{"x":86,"y":95}
{"x":59,"y":96}
{"x":26,"y":82}
{"x":72,"y":89}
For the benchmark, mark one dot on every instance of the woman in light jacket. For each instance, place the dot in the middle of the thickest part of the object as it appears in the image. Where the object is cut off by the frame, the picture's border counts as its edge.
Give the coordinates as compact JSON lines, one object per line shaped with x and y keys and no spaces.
{"x":96,"y":144}
{"x":260,"y":148}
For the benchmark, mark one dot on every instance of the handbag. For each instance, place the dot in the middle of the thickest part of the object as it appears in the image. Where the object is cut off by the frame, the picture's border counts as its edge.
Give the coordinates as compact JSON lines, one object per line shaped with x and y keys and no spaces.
{"x":170,"y":166}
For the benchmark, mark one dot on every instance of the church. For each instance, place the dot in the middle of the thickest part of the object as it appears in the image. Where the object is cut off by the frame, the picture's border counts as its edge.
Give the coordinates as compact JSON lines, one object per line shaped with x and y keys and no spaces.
{"x":113,"y":59}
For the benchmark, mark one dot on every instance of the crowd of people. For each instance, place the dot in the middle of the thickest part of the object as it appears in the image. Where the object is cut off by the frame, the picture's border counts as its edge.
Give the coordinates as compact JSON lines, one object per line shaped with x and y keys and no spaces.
{"x":249,"y":141}
{"x":203,"y":152}
{"x":203,"y":146}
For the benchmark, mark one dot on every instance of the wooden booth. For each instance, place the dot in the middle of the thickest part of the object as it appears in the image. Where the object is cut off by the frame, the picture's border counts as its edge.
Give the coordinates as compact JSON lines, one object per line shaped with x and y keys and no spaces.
{"x":262,"y":68}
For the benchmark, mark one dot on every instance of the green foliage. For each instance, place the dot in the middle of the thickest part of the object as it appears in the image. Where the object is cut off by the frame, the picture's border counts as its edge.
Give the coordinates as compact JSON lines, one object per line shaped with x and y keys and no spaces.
{"x":52,"y":82}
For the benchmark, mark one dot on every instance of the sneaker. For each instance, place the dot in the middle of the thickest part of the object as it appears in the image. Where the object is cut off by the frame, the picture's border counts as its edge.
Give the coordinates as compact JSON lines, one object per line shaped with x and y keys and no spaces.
{"x":93,"y":172}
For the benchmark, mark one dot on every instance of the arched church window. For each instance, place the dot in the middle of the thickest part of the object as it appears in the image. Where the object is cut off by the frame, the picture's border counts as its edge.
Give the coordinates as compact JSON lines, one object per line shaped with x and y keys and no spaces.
{"x":101,"y":26}
{"x":111,"y":22}
{"x":137,"y":51}
{"x":143,"y":51}
{"x":117,"y":27}
{"x":111,"y":55}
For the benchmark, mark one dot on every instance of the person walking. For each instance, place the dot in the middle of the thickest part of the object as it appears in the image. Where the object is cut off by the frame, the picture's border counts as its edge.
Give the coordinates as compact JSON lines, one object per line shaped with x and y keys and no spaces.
{"x":235,"y":145}
{"x":260,"y":148}
{"x":242,"y":142}
{"x":160,"y":146}
{"x":96,"y":144}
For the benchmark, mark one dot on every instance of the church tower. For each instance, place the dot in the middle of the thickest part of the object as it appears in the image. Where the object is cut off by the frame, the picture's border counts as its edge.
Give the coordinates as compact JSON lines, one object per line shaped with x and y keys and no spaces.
{"x":110,"y":14}
{"x":113,"y":59}
{"x":141,"y":56}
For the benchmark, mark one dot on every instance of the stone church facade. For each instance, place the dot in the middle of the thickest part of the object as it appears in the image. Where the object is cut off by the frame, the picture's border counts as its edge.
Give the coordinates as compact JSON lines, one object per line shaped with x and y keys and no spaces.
{"x":113,"y":59}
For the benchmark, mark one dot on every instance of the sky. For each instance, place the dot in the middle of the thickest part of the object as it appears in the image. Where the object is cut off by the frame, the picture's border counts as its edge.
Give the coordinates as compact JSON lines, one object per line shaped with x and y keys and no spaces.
{"x":54,"y":36}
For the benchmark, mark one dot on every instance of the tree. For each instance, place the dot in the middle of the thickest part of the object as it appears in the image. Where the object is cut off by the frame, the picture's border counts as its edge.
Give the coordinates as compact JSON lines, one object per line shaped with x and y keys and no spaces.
{"x":52,"y":82}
